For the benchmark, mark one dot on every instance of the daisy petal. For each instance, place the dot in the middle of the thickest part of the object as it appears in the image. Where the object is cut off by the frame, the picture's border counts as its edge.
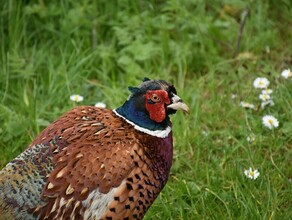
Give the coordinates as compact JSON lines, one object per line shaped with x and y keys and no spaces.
{"x":261,"y":83}
{"x":247,"y":105}
{"x":251,"y":174}
{"x":286,"y":73}
{"x":100,"y":105}
{"x":270,"y":121}
{"x":76,"y":98}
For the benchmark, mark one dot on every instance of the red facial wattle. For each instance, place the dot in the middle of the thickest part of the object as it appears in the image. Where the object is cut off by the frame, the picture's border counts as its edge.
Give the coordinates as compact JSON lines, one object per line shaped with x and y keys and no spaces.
{"x":155,"y":101}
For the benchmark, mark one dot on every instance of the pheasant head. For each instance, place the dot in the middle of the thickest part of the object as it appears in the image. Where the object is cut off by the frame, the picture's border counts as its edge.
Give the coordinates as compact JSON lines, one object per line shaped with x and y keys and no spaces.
{"x":149,"y":106}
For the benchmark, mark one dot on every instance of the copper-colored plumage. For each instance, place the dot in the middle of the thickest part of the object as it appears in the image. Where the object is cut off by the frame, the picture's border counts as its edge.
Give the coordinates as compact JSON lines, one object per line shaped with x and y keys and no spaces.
{"x":88,"y":154}
{"x":94,"y":163}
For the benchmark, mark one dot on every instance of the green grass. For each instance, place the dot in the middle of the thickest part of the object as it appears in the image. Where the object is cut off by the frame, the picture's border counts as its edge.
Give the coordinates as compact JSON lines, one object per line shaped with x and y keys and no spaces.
{"x":52,"y":49}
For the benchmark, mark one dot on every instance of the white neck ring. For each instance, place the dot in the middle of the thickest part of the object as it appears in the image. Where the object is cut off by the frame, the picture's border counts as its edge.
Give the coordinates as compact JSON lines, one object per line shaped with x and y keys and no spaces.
{"x":157,"y":133}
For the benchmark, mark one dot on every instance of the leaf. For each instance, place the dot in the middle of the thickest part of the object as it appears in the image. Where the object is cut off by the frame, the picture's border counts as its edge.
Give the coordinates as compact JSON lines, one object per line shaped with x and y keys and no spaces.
{"x":42,"y":122}
{"x":287,"y":128}
{"x":129,"y":65}
{"x":25,"y":97}
{"x":246,"y":56}
{"x":142,"y":51}
{"x":125,"y":60}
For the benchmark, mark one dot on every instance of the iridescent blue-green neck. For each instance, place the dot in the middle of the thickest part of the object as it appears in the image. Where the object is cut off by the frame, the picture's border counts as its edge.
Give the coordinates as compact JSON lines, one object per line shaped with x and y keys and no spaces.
{"x":134,"y":111}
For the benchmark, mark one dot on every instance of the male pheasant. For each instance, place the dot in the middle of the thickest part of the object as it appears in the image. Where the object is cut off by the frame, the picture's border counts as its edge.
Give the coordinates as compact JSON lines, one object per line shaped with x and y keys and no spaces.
{"x":95,"y":163}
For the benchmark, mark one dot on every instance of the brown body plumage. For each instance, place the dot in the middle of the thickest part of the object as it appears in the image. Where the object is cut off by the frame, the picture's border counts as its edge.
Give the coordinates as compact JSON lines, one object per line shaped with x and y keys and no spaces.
{"x":90,"y":163}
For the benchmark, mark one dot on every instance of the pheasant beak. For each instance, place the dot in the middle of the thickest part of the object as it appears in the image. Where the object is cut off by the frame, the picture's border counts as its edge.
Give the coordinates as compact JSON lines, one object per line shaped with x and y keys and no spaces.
{"x":177,"y":103}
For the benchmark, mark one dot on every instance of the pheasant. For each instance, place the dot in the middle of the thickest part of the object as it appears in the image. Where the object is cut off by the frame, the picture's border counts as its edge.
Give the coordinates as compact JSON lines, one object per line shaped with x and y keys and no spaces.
{"x":94,"y":163}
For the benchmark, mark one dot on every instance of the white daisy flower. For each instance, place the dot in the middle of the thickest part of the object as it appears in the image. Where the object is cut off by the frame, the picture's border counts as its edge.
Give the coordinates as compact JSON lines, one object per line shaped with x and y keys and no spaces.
{"x":247,"y":105}
{"x":261,"y":83}
{"x":267,"y":91}
{"x":100,"y":105}
{"x":252,"y":174}
{"x":264,"y":97}
{"x":270,"y":121}
{"x":286,"y":73}
{"x":76,"y":98}
{"x":233,"y":96}
{"x":269,"y":102}
{"x":251,"y":138}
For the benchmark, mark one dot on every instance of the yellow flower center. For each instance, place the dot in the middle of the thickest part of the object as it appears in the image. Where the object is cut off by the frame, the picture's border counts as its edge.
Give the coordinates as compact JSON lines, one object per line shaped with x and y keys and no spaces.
{"x":270,"y":121}
{"x":251,"y":173}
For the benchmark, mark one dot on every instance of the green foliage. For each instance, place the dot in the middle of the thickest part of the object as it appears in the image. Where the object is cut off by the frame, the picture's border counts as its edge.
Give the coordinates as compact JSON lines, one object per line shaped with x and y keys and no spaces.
{"x":52,"y":49}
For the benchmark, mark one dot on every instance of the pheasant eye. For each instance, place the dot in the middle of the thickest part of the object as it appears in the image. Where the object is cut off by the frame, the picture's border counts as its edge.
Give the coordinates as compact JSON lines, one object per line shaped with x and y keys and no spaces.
{"x":155,"y":98}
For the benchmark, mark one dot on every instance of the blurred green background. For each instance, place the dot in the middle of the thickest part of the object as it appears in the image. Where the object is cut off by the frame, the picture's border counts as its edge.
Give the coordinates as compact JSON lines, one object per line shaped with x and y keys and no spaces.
{"x":53,"y":49}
